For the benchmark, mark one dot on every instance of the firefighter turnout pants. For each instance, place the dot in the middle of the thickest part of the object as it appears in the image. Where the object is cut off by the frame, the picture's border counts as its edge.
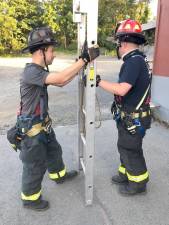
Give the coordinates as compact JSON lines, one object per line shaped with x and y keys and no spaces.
{"x":133,"y":164}
{"x":39,"y":153}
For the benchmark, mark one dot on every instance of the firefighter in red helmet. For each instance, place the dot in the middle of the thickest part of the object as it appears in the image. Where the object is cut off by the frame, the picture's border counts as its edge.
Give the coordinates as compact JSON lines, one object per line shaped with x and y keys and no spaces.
{"x":131,"y":108}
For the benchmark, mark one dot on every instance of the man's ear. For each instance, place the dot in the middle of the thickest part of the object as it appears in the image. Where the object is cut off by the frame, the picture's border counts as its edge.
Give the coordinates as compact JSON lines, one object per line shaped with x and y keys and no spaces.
{"x":41,"y":52}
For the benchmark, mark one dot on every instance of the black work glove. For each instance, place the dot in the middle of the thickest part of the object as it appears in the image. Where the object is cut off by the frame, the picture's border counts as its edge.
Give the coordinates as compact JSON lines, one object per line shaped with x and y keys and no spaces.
{"x":89,"y":54}
{"x":98,"y":79}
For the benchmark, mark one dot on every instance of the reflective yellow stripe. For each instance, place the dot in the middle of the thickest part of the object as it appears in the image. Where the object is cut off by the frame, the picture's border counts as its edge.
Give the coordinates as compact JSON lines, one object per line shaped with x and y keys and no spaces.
{"x":37,"y":128}
{"x":62,"y":173}
{"x":136,"y":115}
{"x":13,"y":146}
{"x":91,"y":73}
{"x":33,"y":197}
{"x":122,"y":169}
{"x":54,"y":176}
{"x":138,"y":178}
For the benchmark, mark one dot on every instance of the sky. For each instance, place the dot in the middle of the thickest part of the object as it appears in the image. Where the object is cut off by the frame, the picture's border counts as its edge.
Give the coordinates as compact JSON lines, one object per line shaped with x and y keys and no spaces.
{"x":153,"y":6}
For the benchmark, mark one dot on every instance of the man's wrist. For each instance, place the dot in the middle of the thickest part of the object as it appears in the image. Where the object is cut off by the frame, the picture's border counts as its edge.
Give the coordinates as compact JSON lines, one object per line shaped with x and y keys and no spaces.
{"x":82,"y":61}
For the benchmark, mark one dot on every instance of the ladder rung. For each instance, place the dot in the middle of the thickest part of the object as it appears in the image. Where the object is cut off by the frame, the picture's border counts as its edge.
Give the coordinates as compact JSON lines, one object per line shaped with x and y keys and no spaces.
{"x":82,"y":164}
{"x":84,"y":111}
{"x":83,"y":138}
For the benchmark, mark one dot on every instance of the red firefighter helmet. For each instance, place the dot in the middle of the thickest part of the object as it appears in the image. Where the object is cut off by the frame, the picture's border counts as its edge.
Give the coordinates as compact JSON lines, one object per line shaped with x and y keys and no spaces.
{"x":129,"y":31}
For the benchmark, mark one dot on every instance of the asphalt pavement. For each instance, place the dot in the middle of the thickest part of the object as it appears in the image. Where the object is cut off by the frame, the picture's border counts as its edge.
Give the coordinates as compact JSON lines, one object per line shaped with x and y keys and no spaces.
{"x":67,"y":200}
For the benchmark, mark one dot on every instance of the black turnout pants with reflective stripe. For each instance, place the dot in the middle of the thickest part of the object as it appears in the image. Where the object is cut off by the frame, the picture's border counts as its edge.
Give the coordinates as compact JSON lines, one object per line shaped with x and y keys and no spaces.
{"x":131,"y":156}
{"x":38,"y":154}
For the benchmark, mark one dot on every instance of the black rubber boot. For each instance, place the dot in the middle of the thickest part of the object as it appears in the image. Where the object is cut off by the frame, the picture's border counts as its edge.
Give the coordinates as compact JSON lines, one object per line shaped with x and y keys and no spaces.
{"x":38,"y":205}
{"x":119,"y":179}
{"x":68,"y":176}
{"x":130,"y":189}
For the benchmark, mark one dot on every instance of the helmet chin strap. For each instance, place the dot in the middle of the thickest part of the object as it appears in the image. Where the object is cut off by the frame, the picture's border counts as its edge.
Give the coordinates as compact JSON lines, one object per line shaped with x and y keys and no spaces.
{"x":117,"y":49}
{"x":44,"y":58}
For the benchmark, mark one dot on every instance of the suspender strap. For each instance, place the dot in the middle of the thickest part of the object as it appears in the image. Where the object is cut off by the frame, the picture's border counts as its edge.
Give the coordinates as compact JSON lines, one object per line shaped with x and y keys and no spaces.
{"x":143,"y":98}
{"x":149,"y":86}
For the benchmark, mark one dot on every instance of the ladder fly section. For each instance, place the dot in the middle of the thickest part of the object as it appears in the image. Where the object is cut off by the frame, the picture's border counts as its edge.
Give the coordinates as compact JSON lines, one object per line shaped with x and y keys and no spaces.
{"x":86,"y":17}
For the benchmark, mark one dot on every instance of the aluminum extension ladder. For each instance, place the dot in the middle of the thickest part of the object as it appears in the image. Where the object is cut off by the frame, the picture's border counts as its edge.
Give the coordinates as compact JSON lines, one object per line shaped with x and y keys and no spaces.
{"x":86,"y":17}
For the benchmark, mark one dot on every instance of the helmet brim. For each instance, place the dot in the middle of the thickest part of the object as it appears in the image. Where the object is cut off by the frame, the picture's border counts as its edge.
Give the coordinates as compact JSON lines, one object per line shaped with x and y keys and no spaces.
{"x":133,"y":36}
{"x":29,"y":47}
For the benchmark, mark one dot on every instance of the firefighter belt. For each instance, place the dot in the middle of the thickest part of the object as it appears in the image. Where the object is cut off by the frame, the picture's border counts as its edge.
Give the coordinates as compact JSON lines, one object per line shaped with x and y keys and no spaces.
{"x":135,"y":115}
{"x":42,"y":126}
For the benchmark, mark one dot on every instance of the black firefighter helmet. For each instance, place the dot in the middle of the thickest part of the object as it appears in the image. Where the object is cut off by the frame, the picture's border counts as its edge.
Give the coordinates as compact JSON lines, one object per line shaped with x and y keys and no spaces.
{"x":39,"y":37}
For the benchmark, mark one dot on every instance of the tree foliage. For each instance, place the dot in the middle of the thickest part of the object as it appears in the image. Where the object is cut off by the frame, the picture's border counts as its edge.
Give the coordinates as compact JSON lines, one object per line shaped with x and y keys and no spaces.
{"x":58,"y":15}
{"x":18,"y":17}
{"x":113,"y":11}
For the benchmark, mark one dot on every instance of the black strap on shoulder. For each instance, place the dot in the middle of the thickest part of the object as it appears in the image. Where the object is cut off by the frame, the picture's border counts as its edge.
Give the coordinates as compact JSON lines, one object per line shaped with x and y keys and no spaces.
{"x":148,"y":90}
{"x":20,"y":110}
{"x":41,"y":103}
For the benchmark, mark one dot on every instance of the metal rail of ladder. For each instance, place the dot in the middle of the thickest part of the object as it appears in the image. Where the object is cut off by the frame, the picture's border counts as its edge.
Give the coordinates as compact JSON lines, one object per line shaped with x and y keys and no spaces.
{"x":86,"y":16}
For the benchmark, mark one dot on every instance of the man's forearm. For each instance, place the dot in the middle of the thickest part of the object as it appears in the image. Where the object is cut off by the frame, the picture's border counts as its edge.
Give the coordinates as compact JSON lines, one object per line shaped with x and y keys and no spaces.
{"x":115,"y":88}
{"x":63,"y":77}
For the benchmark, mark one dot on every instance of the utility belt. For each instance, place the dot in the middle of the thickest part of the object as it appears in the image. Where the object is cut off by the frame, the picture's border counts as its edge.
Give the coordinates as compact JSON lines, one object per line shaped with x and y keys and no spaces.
{"x":32,"y":126}
{"x":131,"y":121}
{"x":136,"y":115}
{"x":27,"y":126}
{"x":46,"y":126}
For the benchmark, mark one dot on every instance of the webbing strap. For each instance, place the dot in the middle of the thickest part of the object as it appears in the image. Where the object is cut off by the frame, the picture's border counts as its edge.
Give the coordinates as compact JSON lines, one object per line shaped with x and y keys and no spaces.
{"x":143,"y":98}
{"x":37,"y":128}
{"x":136,"y":115}
{"x":149,"y":86}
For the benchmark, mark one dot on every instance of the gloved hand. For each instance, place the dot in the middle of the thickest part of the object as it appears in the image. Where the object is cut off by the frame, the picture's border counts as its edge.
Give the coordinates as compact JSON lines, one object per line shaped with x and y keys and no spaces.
{"x":98,"y":79}
{"x":89,"y":54}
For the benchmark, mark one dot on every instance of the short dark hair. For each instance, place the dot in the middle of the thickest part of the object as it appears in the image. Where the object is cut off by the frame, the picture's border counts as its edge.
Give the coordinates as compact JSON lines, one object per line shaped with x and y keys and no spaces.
{"x":34,"y":49}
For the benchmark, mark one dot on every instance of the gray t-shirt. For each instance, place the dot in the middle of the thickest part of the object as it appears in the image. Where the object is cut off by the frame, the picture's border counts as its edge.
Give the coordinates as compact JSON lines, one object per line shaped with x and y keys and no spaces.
{"x":33,"y":89}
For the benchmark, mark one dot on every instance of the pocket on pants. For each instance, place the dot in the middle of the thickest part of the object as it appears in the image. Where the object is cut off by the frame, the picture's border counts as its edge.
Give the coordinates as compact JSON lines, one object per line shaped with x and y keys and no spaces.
{"x":127,"y":140}
{"x":33,"y":148}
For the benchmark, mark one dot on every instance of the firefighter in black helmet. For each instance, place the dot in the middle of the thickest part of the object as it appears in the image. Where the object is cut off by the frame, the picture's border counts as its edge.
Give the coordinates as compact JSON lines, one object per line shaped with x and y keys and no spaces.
{"x":131,"y":108}
{"x":40,"y":151}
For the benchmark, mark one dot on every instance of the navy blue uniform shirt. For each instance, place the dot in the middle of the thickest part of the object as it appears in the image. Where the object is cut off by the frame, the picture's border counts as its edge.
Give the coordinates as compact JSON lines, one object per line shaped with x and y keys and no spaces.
{"x":134,"y":71}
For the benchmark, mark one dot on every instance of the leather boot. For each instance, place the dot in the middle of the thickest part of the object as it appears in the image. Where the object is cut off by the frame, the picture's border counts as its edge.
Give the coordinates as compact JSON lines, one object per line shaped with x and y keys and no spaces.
{"x":130,"y":189}
{"x":119,"y":179}
{"x":38,"y":205}
{"x":68,"y":176}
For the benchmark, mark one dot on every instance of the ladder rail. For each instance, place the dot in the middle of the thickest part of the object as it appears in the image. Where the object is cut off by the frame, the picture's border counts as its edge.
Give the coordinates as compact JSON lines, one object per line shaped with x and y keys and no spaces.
{"x":87,"y":30}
